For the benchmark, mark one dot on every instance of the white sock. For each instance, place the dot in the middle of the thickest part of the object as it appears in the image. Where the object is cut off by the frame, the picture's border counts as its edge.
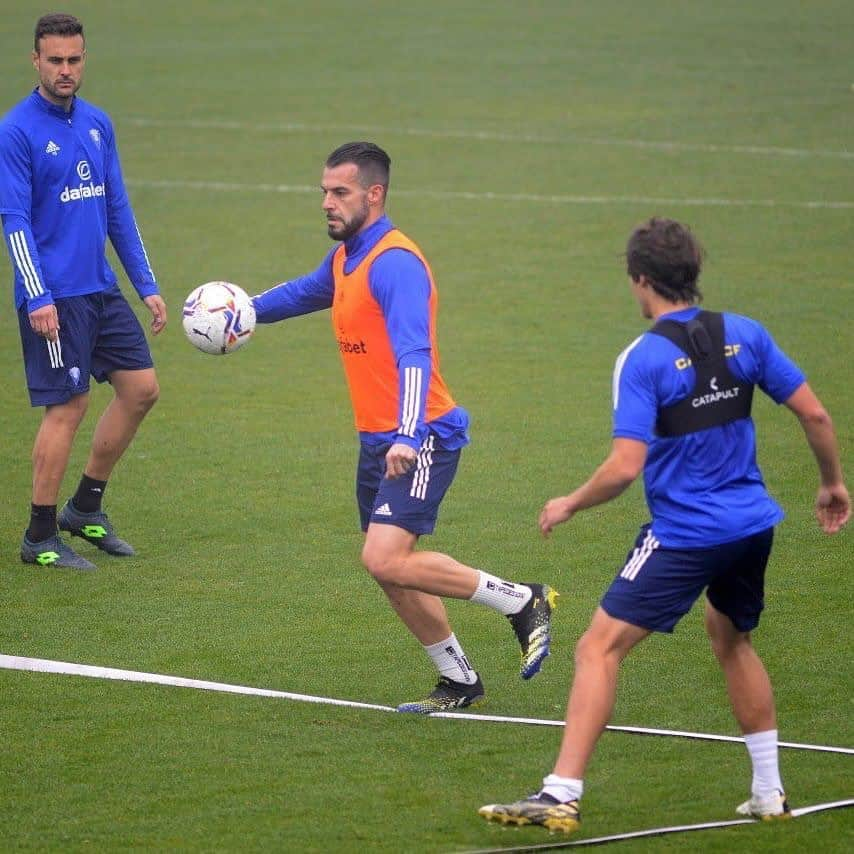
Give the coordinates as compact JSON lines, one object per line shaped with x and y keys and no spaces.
{"x":451,"y":661}
{"x":563,"y":789}
{"x":763,"y":750}
{"x":503,"y":596}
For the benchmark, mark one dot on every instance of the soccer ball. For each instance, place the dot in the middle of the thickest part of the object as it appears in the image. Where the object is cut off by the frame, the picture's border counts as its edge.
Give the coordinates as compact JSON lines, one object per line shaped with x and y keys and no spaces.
{"x":218,"y":317}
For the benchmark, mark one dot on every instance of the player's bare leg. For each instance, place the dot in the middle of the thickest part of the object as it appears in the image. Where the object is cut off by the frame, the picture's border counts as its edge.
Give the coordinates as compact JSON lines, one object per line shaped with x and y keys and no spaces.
{"x":422,"y":613}
{"x":747,"y":681}
{"x":385,"y":554}
{"x":752,"y":699}
{"x":52,"y":447}
{"x":414,"y":580}
{"x":389,"y":555}
{"x":135,"y":393}
{"x":598,"y":655}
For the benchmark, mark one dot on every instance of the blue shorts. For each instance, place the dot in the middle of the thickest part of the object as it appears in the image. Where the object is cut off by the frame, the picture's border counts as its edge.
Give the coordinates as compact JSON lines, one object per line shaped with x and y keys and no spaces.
{"x":410,"y":501}
{"x":658,"y":586}
{"x":98,"y":334}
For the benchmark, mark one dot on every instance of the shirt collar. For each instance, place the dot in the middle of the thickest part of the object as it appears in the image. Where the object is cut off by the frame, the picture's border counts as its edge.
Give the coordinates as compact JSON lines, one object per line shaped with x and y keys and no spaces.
{"x":681,"y":314}
{"x":49,"y":107}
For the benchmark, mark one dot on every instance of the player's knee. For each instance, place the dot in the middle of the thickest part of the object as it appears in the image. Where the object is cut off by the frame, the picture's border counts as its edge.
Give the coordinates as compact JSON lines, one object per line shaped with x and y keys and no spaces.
{"x":143,"y":396}
{"x":604,"y":645}
{"x":724,"y":638}
{"x":136,"y":391}
{"x":67,"y":416}
{"x":149,"y":394}
{"x":386,"y":568}
{"x":726,"y":647}
{"x":588,"y":649}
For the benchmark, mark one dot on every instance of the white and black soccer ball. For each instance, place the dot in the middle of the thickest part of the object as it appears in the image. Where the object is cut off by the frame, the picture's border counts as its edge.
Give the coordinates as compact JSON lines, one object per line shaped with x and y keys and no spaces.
{"x":219,"y":318}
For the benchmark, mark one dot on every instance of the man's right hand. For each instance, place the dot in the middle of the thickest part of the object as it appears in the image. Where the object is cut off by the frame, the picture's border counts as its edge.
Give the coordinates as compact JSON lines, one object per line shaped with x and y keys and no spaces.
{"x":45,"y":322}
{"x":832,"y":508}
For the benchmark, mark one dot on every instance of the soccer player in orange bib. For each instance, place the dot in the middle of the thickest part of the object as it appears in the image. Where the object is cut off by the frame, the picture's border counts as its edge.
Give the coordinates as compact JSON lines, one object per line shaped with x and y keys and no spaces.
{"x":384,"y":304}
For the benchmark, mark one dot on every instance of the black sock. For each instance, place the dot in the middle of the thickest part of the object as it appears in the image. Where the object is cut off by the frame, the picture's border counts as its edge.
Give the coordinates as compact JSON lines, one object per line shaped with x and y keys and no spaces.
{"x":89,"y":493}
{"x":42,"y":522}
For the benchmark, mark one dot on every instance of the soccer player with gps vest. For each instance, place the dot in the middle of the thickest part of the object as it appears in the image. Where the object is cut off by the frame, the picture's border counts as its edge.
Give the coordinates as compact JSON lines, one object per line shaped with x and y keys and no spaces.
{"x":384,"y":304}
{"x":61,"y":196}
{"x":682,"y":393}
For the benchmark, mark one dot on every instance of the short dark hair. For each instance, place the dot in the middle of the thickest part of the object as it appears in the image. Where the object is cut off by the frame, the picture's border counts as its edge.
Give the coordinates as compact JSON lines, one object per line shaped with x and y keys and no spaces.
{"x":373,"y":163}
{"x":668,"y":255}
{"x":57,"y":24}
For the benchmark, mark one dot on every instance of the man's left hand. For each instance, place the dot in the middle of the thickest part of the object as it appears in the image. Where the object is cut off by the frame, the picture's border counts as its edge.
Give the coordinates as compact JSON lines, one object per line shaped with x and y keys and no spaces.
{"x":158,"y":312}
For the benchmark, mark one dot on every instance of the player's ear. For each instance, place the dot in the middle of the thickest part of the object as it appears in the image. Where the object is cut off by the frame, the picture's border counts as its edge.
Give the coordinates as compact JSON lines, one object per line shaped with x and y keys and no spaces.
{"x":376,"y":194}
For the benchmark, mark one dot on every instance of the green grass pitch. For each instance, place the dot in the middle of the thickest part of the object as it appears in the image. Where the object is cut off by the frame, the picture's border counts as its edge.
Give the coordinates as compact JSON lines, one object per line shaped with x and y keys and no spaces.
{"x":527,"y":140}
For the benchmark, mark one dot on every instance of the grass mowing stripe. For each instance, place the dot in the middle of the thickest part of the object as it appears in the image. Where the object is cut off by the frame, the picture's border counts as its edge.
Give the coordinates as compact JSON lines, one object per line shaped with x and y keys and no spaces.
{"x":42,"y":665}
{"x":234,"y":187}
{"x":497,"y":136}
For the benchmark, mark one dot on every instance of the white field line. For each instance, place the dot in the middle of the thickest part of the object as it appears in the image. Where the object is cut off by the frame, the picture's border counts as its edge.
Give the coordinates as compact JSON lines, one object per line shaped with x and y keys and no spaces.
{"x":495,"y":136}
{"x":638,"y":730}
{"x":42,"y":665}
{"x":660,"y":831}
{"x":535,"y":198}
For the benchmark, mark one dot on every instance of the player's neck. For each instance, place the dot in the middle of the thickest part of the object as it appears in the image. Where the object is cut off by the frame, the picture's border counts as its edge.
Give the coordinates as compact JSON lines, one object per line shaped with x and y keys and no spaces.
{"x":62,"y":103}
{"x":659,"y":307}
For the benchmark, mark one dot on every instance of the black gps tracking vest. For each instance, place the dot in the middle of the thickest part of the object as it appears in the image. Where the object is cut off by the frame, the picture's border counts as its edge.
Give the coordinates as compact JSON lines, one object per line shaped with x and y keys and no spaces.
{"x":717,"y":397}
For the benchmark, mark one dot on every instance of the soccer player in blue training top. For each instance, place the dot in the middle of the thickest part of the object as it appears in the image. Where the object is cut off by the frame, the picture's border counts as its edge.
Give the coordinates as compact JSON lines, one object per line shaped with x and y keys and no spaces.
{"x":682,"y":394}
{"x":384,"y":303}
{"x":61,"y":196}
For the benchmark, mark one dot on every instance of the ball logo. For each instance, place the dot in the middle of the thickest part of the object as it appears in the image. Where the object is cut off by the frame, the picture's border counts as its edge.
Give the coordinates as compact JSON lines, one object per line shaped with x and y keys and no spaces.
{"x":83,"y":170}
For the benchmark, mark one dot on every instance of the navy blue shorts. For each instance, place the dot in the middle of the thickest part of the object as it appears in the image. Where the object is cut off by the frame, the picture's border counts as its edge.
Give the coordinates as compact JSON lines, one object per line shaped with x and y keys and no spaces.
{"x":658,"y":586}
{"x":410,"y":501}
{"x":98,"y":334}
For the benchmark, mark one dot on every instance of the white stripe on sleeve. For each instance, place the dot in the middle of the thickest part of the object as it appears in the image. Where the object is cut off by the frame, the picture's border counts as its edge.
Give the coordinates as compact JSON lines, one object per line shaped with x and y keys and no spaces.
{"x":618,"y":368}
{"x":24,"y":262}
{"x":144,"y":253}
{"x":411,"y":400}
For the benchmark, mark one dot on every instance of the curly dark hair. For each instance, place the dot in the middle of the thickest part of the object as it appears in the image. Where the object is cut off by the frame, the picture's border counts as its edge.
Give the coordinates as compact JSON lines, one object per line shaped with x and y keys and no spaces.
{"x":668,"y":256}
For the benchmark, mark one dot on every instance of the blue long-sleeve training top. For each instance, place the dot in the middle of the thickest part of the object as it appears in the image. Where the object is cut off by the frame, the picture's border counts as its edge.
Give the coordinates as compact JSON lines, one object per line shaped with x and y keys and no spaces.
{"x":61,"y":195}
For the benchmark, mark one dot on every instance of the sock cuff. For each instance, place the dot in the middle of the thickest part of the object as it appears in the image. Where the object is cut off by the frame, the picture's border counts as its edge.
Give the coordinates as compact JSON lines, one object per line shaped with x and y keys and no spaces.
{"x":766,"y":737}
{"x":439,"y":646}
{"x":565,"y":789}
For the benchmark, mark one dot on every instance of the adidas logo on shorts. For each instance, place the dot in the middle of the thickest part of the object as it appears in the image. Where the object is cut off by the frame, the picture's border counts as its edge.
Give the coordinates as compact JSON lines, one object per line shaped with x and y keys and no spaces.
{"x":383,"y":510}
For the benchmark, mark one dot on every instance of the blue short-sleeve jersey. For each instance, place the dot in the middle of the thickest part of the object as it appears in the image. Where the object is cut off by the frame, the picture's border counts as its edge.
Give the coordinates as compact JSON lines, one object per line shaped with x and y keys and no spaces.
{"x":702,"y":488}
